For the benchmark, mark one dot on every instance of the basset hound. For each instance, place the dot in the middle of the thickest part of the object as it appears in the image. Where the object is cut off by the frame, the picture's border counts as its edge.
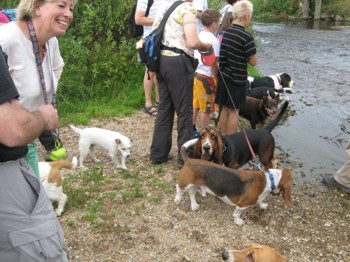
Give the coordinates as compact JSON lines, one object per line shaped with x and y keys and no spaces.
{"x":253,"y":253}
{"x":233,"y":150}
{"x":240,"y":188}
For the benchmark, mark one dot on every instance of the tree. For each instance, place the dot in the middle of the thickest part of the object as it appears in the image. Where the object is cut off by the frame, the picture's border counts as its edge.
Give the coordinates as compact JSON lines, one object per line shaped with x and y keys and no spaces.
{"x":318,"y":4}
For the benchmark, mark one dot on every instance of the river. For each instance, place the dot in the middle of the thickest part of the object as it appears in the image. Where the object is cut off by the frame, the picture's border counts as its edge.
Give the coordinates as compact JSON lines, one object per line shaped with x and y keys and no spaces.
{"x":317,"y":56}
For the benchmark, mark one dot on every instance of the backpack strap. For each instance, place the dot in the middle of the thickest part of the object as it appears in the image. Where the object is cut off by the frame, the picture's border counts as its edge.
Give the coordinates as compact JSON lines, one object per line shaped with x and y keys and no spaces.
{"x":149,"y":5}
{"x":167,"y":14}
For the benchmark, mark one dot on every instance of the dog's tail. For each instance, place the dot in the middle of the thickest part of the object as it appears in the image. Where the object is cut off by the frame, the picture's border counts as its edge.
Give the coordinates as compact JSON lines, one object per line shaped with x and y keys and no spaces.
{"x":65,"y":164}
{"x":184,"y":154}
{"x":275,"y":122}
{"x":75,"y":129}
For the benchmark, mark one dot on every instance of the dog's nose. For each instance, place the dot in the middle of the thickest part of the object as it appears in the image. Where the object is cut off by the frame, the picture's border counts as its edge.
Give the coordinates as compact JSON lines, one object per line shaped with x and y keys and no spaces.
{"x":225,"y":256}
{"x":206,"y":148}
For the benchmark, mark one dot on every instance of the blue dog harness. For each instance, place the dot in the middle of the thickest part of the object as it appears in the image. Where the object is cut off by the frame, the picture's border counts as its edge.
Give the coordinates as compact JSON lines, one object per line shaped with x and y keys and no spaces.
{"x":273,"y":186}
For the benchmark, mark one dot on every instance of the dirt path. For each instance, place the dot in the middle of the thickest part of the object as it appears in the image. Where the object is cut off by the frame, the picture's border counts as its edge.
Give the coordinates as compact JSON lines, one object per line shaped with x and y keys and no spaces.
{"x":131,"y":216}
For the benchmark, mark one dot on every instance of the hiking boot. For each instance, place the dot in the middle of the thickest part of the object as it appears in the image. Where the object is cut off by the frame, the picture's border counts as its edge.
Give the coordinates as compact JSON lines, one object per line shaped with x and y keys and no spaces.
{"x":331,"y":182}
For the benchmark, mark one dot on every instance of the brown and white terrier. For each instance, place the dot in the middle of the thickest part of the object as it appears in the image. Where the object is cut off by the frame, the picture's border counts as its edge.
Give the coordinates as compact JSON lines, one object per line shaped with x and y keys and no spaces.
{"x":51,"y":177}
{"x":240,"y":188}
{"x":253,"y":253}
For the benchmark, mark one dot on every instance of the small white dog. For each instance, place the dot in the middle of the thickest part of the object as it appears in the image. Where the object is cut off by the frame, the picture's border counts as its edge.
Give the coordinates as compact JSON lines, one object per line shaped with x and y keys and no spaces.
{"x":115,"y":143}
{"x":51,"y":177}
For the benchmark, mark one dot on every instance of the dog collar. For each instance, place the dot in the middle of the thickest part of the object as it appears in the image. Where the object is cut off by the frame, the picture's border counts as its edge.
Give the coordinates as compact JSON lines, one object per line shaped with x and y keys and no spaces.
{"x":224,"y":148}
{"x":273,"y":186}
{"x":279,"y":79}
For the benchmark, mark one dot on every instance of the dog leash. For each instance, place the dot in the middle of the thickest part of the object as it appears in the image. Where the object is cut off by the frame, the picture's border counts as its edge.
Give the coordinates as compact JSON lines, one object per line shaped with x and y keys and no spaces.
{"x":255,"y":159}
{"x":210,"y":62}
{"x":38,"y":60}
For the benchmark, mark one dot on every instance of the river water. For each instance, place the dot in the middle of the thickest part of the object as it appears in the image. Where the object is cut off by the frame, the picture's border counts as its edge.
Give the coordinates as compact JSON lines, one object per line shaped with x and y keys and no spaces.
{"x":317,"y":56}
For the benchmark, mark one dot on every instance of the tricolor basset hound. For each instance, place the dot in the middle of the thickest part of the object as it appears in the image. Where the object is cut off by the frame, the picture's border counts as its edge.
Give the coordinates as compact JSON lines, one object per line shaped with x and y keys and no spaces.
{"x":240,"y":188}
{"x":279,"y":82}
{"x":233,"y":150}
{"x":253,"y":253}
{"x":51,"y":177}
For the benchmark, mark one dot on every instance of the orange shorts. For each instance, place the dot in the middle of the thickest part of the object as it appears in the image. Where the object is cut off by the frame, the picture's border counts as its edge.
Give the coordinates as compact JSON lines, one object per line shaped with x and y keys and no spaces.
{"x":202,"y":100}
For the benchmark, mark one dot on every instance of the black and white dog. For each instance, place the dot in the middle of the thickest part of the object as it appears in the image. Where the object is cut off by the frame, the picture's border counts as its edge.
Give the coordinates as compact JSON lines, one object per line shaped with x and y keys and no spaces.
{"x":279,"y":82}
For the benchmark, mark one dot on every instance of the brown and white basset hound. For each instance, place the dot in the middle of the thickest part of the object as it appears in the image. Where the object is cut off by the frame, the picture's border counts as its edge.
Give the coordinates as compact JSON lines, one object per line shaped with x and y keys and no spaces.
{"x":233,"y":150}
{"x":253,"y":253}
{"x":240,"y":188}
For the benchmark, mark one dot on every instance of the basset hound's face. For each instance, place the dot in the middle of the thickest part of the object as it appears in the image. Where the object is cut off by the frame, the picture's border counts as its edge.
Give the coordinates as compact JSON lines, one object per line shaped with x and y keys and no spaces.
{"x":209,"y":145}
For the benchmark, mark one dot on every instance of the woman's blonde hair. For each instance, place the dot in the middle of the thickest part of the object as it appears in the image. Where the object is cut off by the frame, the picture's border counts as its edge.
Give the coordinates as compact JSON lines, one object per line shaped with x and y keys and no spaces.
{"x":241,"y":9}
{"x":26,"y":8}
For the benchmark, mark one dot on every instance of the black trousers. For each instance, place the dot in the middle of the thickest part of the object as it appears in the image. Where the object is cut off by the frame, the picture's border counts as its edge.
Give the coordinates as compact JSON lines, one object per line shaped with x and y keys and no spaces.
{"x":175,"y":84}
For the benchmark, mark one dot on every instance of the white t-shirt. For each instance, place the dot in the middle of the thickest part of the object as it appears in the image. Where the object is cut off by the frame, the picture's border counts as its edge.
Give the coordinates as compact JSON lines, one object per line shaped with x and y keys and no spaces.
{"x":23,"y":67}
{"x":142,"y":6}
{"x":207,"y":37}
{"x":226,"y":8}
{"x":200,"y":5}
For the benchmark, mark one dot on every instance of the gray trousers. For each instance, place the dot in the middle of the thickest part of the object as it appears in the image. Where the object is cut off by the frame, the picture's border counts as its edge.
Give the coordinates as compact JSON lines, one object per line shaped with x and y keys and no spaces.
{"x":29,"y":229}
{"x":175,"y":84}
{"x":343,"y":174}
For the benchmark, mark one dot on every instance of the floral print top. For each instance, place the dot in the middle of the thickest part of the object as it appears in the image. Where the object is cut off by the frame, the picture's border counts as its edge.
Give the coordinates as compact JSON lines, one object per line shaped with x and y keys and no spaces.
{"x":174,"y":35}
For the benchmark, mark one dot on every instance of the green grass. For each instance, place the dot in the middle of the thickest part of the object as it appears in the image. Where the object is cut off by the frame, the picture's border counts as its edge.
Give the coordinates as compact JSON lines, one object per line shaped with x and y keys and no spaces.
{"x":100,"y":197}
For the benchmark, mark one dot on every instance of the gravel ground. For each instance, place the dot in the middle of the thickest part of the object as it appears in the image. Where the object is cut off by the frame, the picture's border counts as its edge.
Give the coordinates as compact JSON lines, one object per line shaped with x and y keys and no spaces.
{"x":152,"y":228}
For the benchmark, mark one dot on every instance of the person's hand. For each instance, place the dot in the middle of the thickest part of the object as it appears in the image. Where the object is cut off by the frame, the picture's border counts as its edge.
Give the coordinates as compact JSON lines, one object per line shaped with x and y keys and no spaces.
{"x":205,"y":47}
{"x":50,"y":116}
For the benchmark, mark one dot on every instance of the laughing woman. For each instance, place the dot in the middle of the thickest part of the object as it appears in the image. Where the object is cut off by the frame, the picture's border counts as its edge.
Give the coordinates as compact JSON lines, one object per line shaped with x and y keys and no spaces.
{"x":34,"y":59}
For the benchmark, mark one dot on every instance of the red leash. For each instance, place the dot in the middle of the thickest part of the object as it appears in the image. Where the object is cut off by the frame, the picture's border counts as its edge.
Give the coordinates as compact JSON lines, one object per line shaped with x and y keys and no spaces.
{"x":208,"y":58}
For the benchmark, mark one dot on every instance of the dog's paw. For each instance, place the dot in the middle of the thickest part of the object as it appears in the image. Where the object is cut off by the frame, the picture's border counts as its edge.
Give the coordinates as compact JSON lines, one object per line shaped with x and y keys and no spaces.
{"x":122,"y":167}
{"x":58,"y":212}
{"x":177,"y":199}
{"x":263,"y":205}
{"x":238,"y":221}
{"x":194,"y":206}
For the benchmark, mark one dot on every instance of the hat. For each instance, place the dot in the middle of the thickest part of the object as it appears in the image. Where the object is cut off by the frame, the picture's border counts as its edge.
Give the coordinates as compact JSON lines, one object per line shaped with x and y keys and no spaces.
{"x":208,"y":57}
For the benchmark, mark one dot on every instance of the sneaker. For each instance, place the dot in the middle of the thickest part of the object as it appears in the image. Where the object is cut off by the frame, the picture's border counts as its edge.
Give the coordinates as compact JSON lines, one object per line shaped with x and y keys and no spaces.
{"x":196,"y":133}
{"x":214,"y":115}
{"x":331,"y":182}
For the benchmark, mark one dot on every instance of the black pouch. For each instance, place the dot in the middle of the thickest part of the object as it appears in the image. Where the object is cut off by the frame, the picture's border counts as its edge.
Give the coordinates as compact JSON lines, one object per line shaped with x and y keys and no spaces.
{"x":50,"y":141}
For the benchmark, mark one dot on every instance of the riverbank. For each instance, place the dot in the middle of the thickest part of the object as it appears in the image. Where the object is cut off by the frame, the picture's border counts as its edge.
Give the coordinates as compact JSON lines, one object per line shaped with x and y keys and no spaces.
{"x":115,"y":215}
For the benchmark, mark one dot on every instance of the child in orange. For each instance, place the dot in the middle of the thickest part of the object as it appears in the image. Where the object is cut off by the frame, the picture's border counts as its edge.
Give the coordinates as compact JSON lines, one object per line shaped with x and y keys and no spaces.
{"x":205,"y":80}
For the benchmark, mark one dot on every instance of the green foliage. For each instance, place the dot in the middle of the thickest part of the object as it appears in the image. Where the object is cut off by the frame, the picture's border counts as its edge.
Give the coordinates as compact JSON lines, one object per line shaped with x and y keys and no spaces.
{"x":275,"y":7}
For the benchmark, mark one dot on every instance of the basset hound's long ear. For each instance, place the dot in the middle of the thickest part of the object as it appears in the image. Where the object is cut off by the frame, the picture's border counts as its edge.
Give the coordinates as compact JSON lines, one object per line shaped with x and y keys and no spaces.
{"x":197,"y":149}
{"x":218,"y":149}
{"x":285,"y":183}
